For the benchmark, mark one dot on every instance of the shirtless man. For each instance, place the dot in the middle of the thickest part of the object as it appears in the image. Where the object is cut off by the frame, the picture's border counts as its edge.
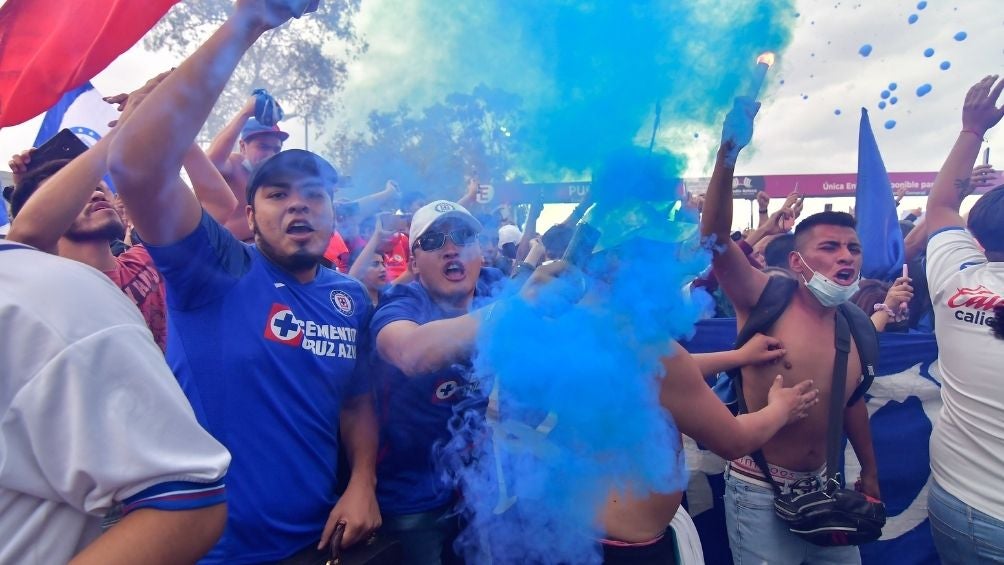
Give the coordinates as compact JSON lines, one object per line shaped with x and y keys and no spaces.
{"x":635,"y":523}
{"x":257,"y":143}
{"x":826,"y":262}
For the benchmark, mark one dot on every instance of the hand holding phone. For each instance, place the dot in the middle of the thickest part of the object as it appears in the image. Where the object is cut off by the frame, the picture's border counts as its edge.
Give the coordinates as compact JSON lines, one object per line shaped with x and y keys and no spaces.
{"x":63,"y":145}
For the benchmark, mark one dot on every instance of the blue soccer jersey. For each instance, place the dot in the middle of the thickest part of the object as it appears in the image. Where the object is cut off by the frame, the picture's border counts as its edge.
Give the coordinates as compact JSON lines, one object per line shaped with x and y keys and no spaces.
{"x":414,"y":411}
{"x":266,"y":362}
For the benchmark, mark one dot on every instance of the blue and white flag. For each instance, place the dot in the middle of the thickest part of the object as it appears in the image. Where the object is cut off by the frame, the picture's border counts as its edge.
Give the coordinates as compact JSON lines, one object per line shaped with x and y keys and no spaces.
{"x":80,"y":110}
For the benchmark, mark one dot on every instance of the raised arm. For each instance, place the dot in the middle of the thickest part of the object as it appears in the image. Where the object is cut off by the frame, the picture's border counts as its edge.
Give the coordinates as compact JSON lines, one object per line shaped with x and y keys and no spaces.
{"x":170,"y":118}
{"x":953,"y":184}
{"x":741,"y":282}
{"x":212,"y":191}
{"x":758,"y":350}
{"x":702,"y":416}
{"x":373,"y":203}
{"x":530,"y":229}
{"x":52,"y":209}
{"x":365,"y":257}
{"x":223,"y":144}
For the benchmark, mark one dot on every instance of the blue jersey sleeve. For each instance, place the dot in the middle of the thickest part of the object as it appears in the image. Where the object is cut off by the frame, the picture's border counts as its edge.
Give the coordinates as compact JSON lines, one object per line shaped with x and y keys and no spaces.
{"x":202,"y":266}
{"x":400,"y":302}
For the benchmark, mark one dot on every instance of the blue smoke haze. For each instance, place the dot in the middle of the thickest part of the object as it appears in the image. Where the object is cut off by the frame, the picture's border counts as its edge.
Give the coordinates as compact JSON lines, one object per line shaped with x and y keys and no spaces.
{"x":577,"y":409}
{"x":588,"y":75}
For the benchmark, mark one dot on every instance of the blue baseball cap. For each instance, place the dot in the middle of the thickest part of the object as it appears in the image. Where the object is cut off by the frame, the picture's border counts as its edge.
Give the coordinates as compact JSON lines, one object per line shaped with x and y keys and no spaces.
{"x":253,"y":127}
{"x":295,"y":162}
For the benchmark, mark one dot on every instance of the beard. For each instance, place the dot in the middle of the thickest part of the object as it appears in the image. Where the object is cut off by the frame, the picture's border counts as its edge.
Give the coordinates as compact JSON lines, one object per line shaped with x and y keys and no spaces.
{"x":299,"y":261}
{"x":107,"y":232}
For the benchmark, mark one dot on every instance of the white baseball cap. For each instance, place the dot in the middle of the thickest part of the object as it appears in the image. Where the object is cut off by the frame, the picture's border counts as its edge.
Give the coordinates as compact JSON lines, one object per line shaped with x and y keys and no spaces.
{"x":437,"y":210}
{"x":509,"y":234}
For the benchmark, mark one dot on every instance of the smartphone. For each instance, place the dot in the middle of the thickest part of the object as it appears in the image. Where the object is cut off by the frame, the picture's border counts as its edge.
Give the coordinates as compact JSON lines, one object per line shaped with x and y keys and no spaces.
{"x":827,"y":207}
{"x":346,"y":209}
{"x":986,"y":156}
{"x":395,"y":223}
{"x":581,"y":246}
{"x":63,"y":145}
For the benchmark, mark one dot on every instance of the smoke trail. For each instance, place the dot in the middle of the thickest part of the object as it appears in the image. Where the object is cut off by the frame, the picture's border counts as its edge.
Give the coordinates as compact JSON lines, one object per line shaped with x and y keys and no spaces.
{"x":574,"y":399}
{"x":574,"y":402}
{"x":588,"y":74}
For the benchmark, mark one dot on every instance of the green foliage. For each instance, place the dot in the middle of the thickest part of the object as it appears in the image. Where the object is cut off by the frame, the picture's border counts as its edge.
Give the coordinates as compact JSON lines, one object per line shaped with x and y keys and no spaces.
{"x":302,"y":64}
{"x":431,"y":150}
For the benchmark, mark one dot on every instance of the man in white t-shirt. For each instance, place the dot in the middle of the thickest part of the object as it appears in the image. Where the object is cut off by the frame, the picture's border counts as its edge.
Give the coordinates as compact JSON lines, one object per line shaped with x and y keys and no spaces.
{"x":966,"y":502}
{"x":92,"y":418}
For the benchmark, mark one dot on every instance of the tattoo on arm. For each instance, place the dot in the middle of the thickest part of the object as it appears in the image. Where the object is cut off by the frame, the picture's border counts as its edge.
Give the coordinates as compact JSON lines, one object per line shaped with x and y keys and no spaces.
{"x":964,"y":188}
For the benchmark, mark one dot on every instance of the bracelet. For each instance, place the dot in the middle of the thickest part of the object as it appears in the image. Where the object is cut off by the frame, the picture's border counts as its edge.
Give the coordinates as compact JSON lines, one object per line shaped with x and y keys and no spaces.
{"x":882,"y":307}
{"x":977,"y":134}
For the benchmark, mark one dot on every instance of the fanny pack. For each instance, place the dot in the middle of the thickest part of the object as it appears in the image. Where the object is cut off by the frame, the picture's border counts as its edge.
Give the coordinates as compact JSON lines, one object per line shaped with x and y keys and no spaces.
{"x":830,"y":515}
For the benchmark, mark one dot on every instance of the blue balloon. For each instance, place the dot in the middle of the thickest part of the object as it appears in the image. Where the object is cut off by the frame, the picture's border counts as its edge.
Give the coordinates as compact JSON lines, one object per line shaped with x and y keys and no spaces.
{"x":923,"y":89}
{"x":961,"y":36}
{"x":890,"y":124}
{"x":928,"y":52}
{"x":945,"y":65}
{"x":912,"y":19}
{"x":865,"y":50}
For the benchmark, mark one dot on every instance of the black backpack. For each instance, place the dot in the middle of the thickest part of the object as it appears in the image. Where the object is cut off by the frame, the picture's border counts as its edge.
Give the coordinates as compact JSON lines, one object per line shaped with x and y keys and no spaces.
{"x":774,"y":301}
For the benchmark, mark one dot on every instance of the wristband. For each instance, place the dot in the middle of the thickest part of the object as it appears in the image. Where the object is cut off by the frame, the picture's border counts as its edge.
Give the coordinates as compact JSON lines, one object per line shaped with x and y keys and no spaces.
{"x":882,"y":307}
{"x":977,"y":134}
{"x":763,"y":210}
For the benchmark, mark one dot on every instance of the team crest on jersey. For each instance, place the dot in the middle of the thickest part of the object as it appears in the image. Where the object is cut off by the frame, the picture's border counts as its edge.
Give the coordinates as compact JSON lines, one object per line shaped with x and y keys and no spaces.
{"x":446,"y":389}
{"x":283,"y":327}
{"x":342,"y":302}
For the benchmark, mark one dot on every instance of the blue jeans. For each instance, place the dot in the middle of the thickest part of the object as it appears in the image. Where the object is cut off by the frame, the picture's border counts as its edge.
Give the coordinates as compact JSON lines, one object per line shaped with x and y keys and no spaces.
{"x":757,"y":535}
{"x":426,"y":538}
{"x":961,"y":533}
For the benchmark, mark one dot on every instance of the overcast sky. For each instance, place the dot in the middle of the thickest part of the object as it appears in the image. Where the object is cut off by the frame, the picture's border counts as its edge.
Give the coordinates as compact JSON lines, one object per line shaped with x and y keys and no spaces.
{"x":797,"y":130}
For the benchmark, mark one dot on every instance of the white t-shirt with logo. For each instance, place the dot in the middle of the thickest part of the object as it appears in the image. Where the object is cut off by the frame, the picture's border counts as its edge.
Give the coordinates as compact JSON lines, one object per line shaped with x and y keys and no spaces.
{"x":967,"y":446}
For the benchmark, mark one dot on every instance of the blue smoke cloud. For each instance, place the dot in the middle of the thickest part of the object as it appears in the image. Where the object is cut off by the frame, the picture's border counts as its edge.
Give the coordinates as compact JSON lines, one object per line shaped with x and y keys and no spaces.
{"x":588,"y":75}
{"x":574,"y":399}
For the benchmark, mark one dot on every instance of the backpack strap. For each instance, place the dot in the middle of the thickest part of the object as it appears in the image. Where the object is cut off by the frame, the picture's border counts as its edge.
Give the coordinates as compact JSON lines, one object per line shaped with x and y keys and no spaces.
{"x":835,"y":425}
{"x":866,"y":340}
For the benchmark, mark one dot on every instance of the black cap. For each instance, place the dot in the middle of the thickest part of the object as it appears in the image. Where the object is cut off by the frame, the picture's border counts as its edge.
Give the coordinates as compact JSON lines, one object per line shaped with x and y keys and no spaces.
{"x":295,"y":162}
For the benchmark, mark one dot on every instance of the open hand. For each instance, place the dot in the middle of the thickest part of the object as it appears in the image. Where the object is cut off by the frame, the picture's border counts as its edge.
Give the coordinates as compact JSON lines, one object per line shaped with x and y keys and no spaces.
{"x":980,"y":111}
{"x":796,"y":400}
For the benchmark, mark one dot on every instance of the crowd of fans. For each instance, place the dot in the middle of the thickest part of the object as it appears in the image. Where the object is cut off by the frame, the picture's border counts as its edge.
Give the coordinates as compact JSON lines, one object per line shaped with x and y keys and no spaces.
{"x":317,"y":348}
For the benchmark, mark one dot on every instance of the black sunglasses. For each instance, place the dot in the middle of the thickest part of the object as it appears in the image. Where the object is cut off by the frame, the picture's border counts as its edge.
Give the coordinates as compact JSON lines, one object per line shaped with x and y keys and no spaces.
{"x":434,"y":240}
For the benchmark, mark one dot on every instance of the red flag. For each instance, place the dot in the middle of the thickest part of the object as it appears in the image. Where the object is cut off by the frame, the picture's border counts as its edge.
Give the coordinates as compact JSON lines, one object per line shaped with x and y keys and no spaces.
{"x":48,"y":48}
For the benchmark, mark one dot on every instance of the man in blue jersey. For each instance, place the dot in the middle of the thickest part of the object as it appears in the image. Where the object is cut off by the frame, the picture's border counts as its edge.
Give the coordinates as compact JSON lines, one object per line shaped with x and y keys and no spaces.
{"x":424,"y":333}
{"x":265,"y":343}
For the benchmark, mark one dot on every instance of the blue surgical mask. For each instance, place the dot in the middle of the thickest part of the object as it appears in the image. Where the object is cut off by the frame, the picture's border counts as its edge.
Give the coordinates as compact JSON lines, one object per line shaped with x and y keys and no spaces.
{"x":827,"y":292}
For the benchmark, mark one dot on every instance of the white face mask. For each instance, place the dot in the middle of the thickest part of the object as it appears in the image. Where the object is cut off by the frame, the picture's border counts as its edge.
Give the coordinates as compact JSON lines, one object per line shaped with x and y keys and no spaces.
{"x":827,"y":292}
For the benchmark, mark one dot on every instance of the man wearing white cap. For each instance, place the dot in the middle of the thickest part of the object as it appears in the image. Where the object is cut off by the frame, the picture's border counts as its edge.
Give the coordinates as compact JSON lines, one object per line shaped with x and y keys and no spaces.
{"x":424,"y":333}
